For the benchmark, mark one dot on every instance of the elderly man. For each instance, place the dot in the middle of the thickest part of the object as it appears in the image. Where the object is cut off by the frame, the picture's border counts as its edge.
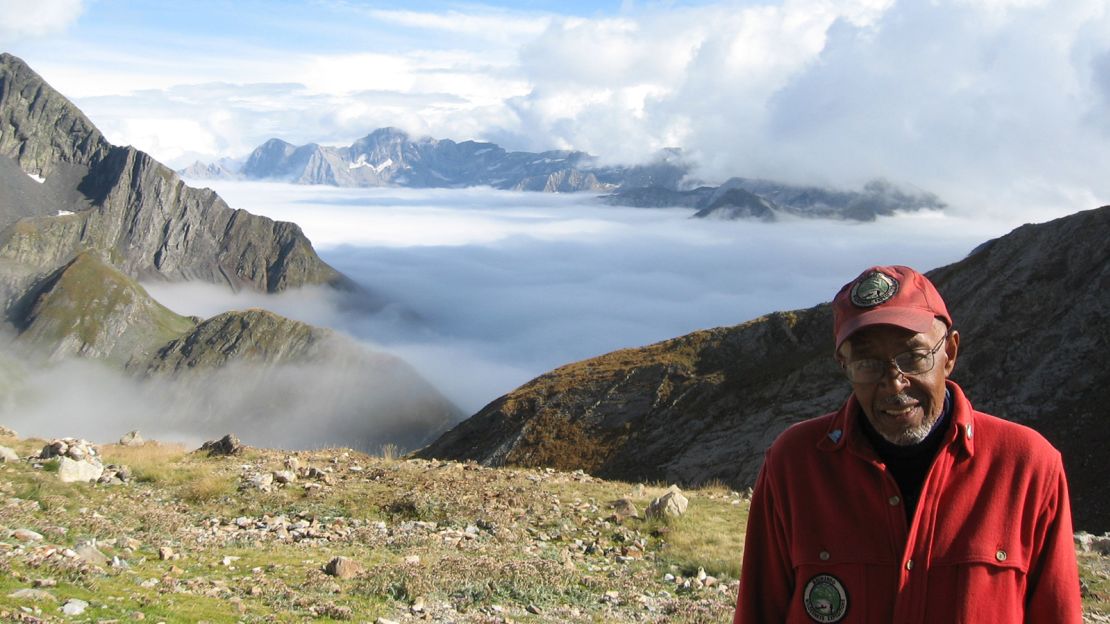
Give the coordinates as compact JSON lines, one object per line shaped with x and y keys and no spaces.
{"x":907,"y":505}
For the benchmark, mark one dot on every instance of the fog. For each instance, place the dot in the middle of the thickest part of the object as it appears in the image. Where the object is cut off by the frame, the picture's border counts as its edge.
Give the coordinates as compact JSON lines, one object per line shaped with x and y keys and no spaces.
{"x":491,"y":288}
{"x":363,"y":403}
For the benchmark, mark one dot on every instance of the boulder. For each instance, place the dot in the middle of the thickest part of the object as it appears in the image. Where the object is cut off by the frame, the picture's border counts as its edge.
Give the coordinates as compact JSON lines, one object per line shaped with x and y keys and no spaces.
{"x":74,"y":606}
{"x":625,"y":508}
{"x":343,"y":567}
{"x":8,"y":455}
{"x":672,"y":504}
{"x":7,"y":433}
{"x":72,"y":471}
{"x":90,"y":553}
{"x":132,"y":438}
{"x":36,"y":595}
{"x":227,"y":445}
{"x":27,"y":535}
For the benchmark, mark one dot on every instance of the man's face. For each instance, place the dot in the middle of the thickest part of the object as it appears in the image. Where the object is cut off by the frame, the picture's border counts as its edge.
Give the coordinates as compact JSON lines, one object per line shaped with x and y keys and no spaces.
{"x":902,"y":408}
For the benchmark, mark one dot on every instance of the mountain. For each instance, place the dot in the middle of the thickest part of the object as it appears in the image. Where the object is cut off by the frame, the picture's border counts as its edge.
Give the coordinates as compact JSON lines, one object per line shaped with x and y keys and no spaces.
{"x":389,"y":157}
{"x":742,"y":198}
{"x":81,"y":221}
{"x":1031,"y":307}
{"x":127,"y":204}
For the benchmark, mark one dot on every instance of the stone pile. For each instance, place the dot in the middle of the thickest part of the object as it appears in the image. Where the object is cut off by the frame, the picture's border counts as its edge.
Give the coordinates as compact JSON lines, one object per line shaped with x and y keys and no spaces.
{"x":78,"y":459}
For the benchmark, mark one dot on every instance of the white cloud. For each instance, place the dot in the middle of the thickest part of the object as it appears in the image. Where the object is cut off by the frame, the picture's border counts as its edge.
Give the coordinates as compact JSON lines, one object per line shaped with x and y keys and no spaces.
{"x":981,"y":101}
{"x":493,"y":288}
{"x":497,"y":26}
{"x":24,"y":20}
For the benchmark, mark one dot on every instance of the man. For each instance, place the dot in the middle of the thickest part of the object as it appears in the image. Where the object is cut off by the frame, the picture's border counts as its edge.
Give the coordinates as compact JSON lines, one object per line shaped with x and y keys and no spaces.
{"x":907,"y":506}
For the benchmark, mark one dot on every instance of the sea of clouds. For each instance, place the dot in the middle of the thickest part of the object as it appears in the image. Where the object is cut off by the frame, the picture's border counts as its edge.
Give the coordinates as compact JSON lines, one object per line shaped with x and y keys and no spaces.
{"x":479,"y":291}
{"x":487,"y":289}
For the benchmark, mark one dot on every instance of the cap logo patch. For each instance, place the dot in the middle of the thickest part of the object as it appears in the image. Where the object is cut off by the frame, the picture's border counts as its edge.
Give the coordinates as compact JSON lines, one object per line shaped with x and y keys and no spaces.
{"x":873,"y":289}
{"x":825,"y":599}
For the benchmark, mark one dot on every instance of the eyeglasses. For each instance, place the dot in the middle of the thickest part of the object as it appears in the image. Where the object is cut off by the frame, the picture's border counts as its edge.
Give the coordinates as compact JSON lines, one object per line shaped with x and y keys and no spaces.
{"x":915,"y":362}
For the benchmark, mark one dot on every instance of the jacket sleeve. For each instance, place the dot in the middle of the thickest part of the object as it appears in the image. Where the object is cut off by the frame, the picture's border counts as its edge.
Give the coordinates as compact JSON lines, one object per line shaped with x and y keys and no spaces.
{"x":766,"y":575}
{"x":1052,"y":592}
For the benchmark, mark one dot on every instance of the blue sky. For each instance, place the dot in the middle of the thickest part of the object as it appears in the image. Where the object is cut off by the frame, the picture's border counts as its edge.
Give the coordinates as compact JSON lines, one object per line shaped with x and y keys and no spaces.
{"x":996,"y":105}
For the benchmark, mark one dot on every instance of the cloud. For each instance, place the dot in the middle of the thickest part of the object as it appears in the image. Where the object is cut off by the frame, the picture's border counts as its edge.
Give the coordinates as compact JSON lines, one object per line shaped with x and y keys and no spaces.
{"x":996,"y":105}
{"x":43,"y":17}
{"x":346,"y":398}
{"x":503,"y":286}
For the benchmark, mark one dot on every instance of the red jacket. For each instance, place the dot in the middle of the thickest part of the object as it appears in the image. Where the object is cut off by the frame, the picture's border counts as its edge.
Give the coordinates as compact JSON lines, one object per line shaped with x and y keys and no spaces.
{"x":990,"y":542}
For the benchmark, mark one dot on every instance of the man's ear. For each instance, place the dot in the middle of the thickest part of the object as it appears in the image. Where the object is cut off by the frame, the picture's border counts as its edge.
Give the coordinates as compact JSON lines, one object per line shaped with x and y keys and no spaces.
{"x":951,"y":350}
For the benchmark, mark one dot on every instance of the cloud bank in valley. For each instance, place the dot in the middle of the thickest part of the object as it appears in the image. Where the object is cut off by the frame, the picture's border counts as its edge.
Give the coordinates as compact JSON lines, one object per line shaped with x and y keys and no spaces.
{"x":996,"y":105}
{"x":492,"y":288}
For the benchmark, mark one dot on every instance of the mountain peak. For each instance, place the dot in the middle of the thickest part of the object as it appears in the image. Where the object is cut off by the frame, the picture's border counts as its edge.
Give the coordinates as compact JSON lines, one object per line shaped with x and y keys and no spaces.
{"x":40,"y":128}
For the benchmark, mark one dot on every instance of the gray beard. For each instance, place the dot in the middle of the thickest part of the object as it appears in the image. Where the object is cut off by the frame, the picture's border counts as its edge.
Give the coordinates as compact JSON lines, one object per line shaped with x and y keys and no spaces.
{"x":913,"y":435}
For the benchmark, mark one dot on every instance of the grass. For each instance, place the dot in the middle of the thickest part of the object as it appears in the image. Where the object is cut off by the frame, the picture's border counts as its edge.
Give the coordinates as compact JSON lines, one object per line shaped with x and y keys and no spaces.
{"x":461,"y":538}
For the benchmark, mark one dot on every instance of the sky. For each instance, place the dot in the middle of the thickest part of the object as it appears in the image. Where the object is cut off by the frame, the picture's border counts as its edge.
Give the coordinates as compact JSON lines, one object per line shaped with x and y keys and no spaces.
{"x":999,"y":106}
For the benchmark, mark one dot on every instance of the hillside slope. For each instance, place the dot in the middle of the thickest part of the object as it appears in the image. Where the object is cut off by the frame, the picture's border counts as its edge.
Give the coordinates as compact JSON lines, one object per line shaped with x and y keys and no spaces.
{"x":1030,"y":306}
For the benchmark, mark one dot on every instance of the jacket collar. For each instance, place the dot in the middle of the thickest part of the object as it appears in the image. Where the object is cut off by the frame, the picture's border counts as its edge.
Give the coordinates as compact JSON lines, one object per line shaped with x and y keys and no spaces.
{"x":844,"y":432}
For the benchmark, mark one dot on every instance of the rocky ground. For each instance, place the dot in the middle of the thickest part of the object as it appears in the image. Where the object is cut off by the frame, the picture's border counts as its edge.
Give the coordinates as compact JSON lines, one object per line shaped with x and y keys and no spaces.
{"x":271,"y":536}
{"x":233,"y":534}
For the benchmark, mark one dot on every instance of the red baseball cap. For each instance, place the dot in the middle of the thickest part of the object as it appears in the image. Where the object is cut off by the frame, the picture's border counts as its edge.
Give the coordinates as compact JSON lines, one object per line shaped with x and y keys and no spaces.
{"x":887,"y":295}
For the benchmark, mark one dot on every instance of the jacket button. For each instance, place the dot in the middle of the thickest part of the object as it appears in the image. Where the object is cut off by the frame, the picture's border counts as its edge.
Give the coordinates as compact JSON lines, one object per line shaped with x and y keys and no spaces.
{"x":824,"y":555}
{"x":894,"y":500}
{"x":1000,"y":555}
{"x":909,"y":564}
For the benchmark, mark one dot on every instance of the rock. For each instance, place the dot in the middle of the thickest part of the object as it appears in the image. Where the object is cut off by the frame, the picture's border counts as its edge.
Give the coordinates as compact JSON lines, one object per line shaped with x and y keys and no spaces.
{"x":165,"y":553}
{"x":35,"y":595}
{"x":27,"y":535}
{"x":91,"y":554}
{"x":1101,"y":544}
{"x":284,"y":476}
{"x":8,"y":455}
{"x":7,"y":433}
{"x":261,"y":481}
{"x":132,"y":438}
{"x":625,"y":508}
{"x":672,"y":504}
{"x":73,"y":606}
{"x":343,"y":567}
{"x":73,"y":471}
{"x":227,"y":445}
{"x":382,"y":620}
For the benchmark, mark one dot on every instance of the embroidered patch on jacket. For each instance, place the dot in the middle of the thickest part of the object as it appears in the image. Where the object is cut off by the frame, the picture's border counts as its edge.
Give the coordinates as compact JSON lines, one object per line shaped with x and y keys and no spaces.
{"x":825,"y":598}
{"x":873,"y":289}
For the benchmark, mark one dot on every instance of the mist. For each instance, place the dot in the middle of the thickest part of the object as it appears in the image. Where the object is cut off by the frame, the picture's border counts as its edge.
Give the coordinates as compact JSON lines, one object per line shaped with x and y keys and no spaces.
{"x":346,"y":398}
{"x":489,"y":289}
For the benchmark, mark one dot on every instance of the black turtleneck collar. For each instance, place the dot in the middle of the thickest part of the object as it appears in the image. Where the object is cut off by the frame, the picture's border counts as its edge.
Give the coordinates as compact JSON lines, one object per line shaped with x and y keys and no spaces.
{"x":910,"y":464}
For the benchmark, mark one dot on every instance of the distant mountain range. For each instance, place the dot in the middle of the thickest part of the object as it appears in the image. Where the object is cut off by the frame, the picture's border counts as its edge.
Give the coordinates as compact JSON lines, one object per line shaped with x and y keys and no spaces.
{"x":390,"y":157}
{"x":1031,"y":308}
{"x":81,"y":221}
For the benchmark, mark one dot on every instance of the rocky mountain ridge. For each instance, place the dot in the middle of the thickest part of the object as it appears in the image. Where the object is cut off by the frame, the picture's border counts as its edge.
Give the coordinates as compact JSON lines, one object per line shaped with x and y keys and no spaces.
{"x":1030,"y":306}
{"x":127,"y":204}
{"x":390,"y":157}
{"x":81,"y":221}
